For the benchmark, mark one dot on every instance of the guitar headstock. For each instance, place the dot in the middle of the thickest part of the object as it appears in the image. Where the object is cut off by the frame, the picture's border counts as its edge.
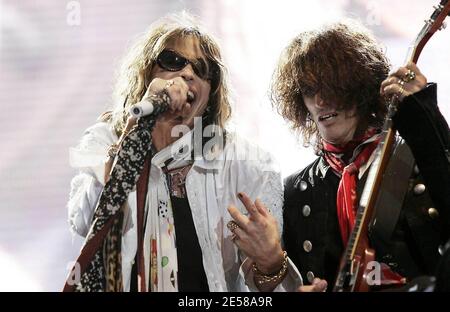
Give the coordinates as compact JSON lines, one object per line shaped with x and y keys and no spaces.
{"x":432,"y":25}
{"x":436,"y":21}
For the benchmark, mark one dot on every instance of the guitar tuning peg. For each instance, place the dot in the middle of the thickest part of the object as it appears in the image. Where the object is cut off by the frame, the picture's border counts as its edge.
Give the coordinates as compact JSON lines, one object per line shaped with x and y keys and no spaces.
{"x":429,"y":21}
{"x":438,"y":7}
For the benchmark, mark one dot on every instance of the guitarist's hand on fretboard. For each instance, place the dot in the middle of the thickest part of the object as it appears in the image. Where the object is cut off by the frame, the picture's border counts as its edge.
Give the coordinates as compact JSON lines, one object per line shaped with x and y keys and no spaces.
{"x":403,"y":82}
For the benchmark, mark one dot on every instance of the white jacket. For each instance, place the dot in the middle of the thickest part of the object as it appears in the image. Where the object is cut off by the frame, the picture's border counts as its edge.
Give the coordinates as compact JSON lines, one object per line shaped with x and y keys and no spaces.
{"x":211,"y":185}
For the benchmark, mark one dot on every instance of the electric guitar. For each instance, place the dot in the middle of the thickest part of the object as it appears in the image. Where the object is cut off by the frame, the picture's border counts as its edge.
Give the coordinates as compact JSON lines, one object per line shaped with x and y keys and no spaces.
{"x":354,"y":270}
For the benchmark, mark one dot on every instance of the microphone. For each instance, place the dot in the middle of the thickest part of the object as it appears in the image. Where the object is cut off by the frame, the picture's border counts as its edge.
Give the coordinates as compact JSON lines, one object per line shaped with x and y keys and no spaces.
{"x":144,"y":107}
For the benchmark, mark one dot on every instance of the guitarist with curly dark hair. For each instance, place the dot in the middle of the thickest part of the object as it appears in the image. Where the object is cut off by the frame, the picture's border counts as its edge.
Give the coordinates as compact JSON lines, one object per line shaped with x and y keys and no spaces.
{"x":332,"y":85}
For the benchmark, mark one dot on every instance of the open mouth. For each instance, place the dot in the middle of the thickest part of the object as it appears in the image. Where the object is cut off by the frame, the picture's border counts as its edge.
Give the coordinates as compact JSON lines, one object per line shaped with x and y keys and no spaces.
{"x":327,"y":117}
{"x":190,"y":97}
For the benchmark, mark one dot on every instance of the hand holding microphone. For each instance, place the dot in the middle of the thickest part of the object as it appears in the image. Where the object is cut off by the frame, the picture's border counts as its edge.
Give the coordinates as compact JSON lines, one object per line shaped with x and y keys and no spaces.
{"x":145,"y":107}
{"x":177,"y":90}
{"x":160,"y":96}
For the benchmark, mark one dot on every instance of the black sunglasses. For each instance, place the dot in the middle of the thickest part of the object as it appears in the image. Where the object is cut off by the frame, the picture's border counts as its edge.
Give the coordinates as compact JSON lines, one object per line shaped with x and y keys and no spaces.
{"x":172,"y":61}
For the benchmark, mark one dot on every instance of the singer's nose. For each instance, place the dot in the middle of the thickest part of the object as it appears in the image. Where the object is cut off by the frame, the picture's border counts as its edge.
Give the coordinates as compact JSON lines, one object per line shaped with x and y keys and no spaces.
{"x":187,"y":73}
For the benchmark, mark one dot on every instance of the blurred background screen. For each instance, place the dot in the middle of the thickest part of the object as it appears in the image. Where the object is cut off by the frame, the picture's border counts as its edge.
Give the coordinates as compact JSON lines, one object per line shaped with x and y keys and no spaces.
{"x":57,"y":64}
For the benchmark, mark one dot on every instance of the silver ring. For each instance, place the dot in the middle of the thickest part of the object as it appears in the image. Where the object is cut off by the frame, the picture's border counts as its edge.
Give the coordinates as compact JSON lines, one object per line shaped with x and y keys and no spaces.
{"x":169,"y":84}
{"x":409,"y":76}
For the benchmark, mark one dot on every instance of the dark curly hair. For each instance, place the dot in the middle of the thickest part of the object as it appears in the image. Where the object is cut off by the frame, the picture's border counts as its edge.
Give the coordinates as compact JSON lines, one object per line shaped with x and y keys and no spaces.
{"x":343,"y":62}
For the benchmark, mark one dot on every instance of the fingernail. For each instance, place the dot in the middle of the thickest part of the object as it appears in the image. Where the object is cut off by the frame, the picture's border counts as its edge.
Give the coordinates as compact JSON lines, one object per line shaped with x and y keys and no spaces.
{"x":240,"y":195}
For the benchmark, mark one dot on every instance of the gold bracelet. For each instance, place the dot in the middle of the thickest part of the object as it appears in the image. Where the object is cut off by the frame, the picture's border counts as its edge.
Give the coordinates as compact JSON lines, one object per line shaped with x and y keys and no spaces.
{"x":263,"y":278}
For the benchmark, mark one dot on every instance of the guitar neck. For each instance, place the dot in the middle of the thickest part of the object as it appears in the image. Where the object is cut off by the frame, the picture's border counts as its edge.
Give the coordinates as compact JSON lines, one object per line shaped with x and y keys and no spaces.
{"x":368,"y":197}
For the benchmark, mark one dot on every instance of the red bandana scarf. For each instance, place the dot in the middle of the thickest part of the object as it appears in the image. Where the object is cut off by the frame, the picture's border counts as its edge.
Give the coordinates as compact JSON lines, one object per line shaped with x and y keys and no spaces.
{"x":346,"y":194}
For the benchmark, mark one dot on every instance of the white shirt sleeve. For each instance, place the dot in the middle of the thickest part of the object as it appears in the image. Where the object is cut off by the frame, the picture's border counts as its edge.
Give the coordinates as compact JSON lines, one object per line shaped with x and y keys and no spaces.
{"x":89,"y":158}
{"x":259,"y":177}
{"x":271,"y":194}
{"x":84,"y":194}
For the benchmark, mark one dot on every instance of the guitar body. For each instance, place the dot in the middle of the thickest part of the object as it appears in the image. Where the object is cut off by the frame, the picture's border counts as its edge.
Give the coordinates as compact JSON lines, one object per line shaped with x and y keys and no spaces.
{"x":361,"y":283}
{"x":354,"y":276}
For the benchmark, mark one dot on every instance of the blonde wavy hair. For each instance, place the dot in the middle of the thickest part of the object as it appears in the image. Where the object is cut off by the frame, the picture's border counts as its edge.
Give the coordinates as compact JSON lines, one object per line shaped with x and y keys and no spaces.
{"x":134,"y":74}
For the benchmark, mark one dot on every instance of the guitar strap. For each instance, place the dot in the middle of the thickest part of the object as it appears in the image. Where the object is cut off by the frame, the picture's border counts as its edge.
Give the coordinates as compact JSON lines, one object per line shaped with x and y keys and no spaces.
{"x":392,"y":193}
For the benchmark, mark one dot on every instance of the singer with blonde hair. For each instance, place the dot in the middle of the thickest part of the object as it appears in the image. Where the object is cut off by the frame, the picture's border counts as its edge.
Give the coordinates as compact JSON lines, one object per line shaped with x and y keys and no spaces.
{"x":157,"y":215}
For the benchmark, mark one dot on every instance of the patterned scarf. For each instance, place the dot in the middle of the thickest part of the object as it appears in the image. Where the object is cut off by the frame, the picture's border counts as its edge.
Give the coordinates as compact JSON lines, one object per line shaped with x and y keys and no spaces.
{"x":160,"y":238}
{"x":99,"y":263}
{"x":361,"y":148}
